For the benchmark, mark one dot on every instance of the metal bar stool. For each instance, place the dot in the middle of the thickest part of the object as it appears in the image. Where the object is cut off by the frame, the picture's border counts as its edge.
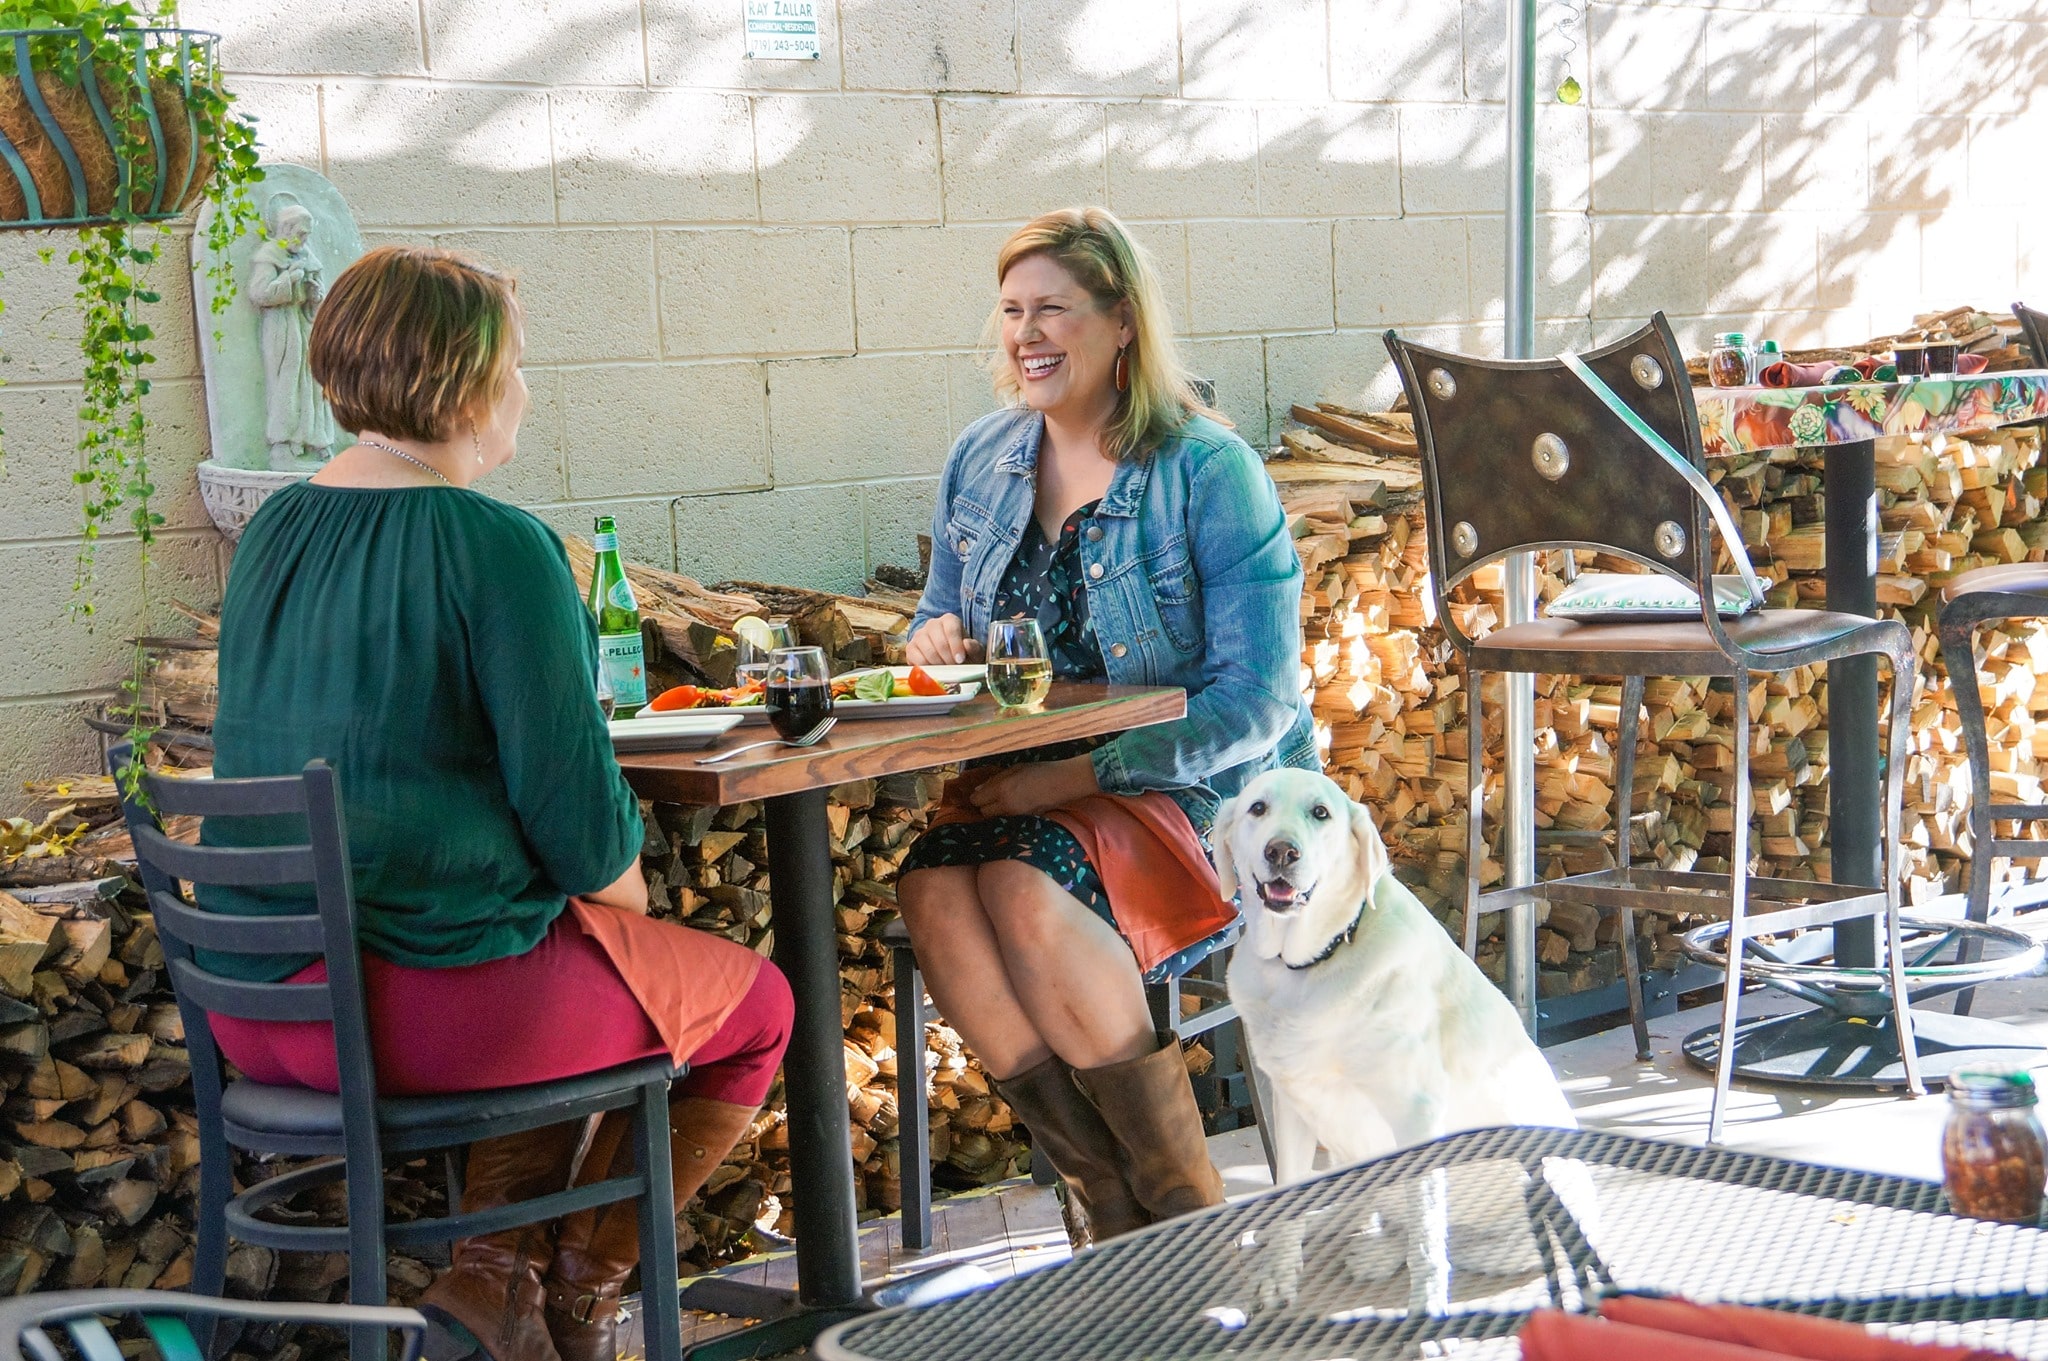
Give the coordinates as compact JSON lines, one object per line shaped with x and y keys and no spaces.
{"x":1602,"y":451}
{"x":913,"y":1108}
{"x":1990,"y":595}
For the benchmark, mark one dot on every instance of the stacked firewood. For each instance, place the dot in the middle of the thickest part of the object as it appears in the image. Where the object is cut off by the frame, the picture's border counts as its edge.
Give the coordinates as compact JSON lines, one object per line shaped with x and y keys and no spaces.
{"x":1388,"y":693}
{"x":706,"y":867}
{"x":99,"y":1158}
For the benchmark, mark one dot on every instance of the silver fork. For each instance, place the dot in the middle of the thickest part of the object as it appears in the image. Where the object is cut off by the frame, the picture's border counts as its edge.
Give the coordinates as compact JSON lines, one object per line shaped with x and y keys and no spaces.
{"x":809,"y":739}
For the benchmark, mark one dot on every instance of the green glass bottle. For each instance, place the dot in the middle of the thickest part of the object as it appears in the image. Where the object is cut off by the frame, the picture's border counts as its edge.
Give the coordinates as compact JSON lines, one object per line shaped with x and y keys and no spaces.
{"x":618,"y":623}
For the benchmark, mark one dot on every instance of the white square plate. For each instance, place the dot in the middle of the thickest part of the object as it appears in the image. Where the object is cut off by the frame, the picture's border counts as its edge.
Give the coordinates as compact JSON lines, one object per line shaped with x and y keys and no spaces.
{"x":672,"y":732}
{"x":968,"y":678}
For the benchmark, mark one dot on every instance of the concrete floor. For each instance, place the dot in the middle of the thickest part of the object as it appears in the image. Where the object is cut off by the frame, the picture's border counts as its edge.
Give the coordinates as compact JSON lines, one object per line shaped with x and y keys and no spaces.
{"x":1015,"y":1227}
{"x":1668,"y":1098}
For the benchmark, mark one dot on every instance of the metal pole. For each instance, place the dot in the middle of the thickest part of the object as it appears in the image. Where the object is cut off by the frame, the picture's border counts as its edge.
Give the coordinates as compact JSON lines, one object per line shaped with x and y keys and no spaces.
{"x":1518,"y":812}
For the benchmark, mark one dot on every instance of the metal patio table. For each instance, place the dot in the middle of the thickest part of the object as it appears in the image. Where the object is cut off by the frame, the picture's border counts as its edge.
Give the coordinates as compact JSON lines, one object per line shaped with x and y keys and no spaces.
{"x":794,"y":784}
{"x":1823,"y":1047}
{"x":1315,"y":1271}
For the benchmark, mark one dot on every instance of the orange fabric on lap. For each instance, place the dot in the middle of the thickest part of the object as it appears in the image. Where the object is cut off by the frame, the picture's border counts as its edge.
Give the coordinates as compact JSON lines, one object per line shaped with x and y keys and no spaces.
{"x":1162,"y":888}
{"x":687,"y":981}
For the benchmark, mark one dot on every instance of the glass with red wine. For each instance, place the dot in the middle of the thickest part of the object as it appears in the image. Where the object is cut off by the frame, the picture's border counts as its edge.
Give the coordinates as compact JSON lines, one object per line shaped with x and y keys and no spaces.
{"x":798,"y":695}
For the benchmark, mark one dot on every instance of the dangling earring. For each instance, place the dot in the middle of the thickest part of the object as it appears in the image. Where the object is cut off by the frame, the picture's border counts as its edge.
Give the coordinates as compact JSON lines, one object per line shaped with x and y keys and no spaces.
{"x":1123,"y":368}
{"x":476,"y":442}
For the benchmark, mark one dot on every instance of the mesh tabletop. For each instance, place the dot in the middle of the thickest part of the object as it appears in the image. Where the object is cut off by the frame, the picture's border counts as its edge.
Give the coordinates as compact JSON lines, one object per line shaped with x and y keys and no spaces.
{"x":1444,"y":1249}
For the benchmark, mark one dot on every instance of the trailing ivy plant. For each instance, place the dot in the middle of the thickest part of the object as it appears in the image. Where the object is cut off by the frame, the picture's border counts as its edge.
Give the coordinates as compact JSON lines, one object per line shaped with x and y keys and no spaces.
{"x":116,"y":253}
{"x":115,"y":260}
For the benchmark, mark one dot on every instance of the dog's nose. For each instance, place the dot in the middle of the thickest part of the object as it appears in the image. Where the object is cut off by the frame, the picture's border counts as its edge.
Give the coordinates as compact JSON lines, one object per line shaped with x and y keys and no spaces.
{"x":1282,"y":854}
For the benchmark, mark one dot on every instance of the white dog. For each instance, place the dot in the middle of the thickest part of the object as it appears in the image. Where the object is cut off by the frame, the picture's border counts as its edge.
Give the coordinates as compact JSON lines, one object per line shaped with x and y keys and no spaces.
{"x":1373,"y":1032}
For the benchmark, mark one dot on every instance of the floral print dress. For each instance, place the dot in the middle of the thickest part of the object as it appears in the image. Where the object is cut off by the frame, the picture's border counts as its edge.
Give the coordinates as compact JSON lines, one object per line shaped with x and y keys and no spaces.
{"x":1044,"y":582}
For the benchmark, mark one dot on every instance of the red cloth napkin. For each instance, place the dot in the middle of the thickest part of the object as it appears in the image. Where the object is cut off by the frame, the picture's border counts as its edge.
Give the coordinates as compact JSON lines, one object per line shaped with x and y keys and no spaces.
{"x":1785,"y":374}
{"x":1162,"y":889}
{"x":1632,"y":1328}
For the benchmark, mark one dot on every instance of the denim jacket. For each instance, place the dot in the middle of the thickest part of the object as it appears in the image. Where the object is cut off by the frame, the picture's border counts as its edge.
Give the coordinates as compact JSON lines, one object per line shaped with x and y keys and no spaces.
{"x":1192,"y":580}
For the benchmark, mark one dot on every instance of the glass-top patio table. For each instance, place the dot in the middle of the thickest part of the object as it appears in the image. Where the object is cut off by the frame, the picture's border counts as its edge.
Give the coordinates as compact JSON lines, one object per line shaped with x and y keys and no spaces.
{"x":794,"y":784}
{"x":1821,"y":1047}
{"x":1347,"y":1265}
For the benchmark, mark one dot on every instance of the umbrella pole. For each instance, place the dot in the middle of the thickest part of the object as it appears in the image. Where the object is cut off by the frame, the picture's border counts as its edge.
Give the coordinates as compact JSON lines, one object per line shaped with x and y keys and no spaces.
{"x":1519,"y":767}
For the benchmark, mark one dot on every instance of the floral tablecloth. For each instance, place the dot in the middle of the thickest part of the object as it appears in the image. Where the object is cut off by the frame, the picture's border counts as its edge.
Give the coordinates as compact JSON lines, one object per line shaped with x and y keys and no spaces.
{"x":1750,"y":420}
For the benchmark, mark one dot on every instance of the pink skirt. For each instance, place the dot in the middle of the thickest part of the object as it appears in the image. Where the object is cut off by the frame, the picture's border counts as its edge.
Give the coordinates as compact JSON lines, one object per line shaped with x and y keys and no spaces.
{"x":562,"y":1008}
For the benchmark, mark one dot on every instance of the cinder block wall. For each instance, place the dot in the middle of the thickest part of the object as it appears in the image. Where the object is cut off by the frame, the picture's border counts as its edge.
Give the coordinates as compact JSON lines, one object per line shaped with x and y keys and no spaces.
{"x":755,"y":287}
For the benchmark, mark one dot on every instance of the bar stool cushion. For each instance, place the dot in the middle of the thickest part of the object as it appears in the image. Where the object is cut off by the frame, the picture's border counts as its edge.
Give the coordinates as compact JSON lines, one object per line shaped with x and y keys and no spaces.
{"x":1652,"y":597}
{"x":2017,"y":578}
{"x":1563,"y":644}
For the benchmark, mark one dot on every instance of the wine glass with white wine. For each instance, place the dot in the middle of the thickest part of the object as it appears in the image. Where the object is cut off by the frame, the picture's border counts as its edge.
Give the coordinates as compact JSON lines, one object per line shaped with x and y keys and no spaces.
{"x":757,"y":640}
{"x":1019,"y":667}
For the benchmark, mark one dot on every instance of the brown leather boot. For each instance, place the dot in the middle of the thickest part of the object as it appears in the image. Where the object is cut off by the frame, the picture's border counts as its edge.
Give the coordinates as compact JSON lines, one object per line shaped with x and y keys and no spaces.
{"x":493,"y":1289}
{"x":1149,"y":1106}
{"x":1069,"y":1133}
{"x":597,"y":1250}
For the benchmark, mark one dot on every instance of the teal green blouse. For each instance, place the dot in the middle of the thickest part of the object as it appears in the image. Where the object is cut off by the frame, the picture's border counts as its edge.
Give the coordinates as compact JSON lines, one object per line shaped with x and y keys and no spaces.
{"x":430,"y":644}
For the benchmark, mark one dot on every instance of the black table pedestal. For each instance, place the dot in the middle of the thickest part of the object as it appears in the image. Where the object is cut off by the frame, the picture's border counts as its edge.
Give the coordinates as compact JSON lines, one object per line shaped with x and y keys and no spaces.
{"x":1819,"y":1048}
{"x":1855,"y":786}
{"x":820,"y":1139}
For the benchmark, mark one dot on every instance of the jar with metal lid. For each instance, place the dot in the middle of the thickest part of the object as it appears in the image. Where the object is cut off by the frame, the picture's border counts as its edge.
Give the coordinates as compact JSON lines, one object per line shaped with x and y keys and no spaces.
{"x":1994,"y":1158}
{"x":1732,"y":364}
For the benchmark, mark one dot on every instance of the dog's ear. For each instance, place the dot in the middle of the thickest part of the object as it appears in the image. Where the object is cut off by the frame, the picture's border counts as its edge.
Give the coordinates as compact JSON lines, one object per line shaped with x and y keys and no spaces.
{"x":1370,"y":850}
{"x":1220,"y":834}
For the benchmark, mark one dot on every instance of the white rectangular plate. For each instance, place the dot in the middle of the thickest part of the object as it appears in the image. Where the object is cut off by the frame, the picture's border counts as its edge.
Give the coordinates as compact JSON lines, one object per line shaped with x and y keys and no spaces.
{"x":672,"y":732}
{"x":944,"y":675}
{"x":904,"y":706}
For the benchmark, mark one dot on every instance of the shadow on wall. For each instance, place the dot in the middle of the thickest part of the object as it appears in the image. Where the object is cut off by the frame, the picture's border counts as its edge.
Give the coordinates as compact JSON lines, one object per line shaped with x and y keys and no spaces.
{"x":1663,"y":190}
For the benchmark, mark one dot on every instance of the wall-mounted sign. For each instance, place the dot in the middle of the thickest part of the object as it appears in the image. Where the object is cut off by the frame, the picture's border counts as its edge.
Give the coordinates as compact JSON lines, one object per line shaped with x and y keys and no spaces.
{"x":782,"y":30}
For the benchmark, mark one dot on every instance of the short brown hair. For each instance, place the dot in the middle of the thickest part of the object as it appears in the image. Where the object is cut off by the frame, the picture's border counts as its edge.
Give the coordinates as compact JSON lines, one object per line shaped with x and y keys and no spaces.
{"x":409,"y":337}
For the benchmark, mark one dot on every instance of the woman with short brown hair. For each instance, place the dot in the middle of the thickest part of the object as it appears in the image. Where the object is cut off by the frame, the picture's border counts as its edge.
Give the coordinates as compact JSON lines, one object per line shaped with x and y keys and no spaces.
{"x":430,"y":642}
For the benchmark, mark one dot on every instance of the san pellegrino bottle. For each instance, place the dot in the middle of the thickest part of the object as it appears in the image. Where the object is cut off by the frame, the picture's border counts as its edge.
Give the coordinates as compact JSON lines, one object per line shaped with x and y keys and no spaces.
{"x":618,"y":623}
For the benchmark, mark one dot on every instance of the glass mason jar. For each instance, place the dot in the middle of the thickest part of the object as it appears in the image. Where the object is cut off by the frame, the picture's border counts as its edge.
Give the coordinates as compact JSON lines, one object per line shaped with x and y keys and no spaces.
{"x":1732,"y":364}
{"x":1993,"y":1156}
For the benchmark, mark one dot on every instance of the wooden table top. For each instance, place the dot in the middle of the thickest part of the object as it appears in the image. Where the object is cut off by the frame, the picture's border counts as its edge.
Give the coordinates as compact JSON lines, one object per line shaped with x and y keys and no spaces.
{"x":868,"y":748}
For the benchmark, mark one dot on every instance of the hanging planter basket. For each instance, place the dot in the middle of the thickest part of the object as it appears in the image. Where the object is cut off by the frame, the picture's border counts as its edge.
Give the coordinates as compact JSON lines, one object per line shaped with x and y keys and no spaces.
{"x":85,"y":141}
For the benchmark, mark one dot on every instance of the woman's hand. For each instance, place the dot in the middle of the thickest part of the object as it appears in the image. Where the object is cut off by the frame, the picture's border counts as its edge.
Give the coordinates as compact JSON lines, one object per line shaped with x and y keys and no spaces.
{"x":942,"y":642}
{"x":628,"y":891}
{"x":1035,"y":787}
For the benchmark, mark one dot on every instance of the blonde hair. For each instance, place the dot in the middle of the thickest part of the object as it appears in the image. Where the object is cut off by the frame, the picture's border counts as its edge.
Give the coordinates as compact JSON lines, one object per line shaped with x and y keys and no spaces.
{"x":409,"y":338}
{"x":1091,"y":245}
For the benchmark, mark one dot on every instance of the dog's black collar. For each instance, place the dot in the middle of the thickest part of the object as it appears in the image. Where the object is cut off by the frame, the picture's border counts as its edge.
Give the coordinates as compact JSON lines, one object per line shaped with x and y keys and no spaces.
{"x":1337,"y":942}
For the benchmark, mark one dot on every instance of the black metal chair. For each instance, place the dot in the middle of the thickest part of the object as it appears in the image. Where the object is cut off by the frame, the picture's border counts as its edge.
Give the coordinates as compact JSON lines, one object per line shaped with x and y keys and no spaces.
{"x":359,"y":1128}
{"x":1989,"y":595}
{"x":173,"y":1324}
{"x":913,"y":1108}
{"x":2034,"y":326}
{"x":1565,"y":453}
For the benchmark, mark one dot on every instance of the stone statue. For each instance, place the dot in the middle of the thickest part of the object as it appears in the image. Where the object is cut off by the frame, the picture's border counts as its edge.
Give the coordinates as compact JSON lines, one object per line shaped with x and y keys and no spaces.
{"x":286,"y":284}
